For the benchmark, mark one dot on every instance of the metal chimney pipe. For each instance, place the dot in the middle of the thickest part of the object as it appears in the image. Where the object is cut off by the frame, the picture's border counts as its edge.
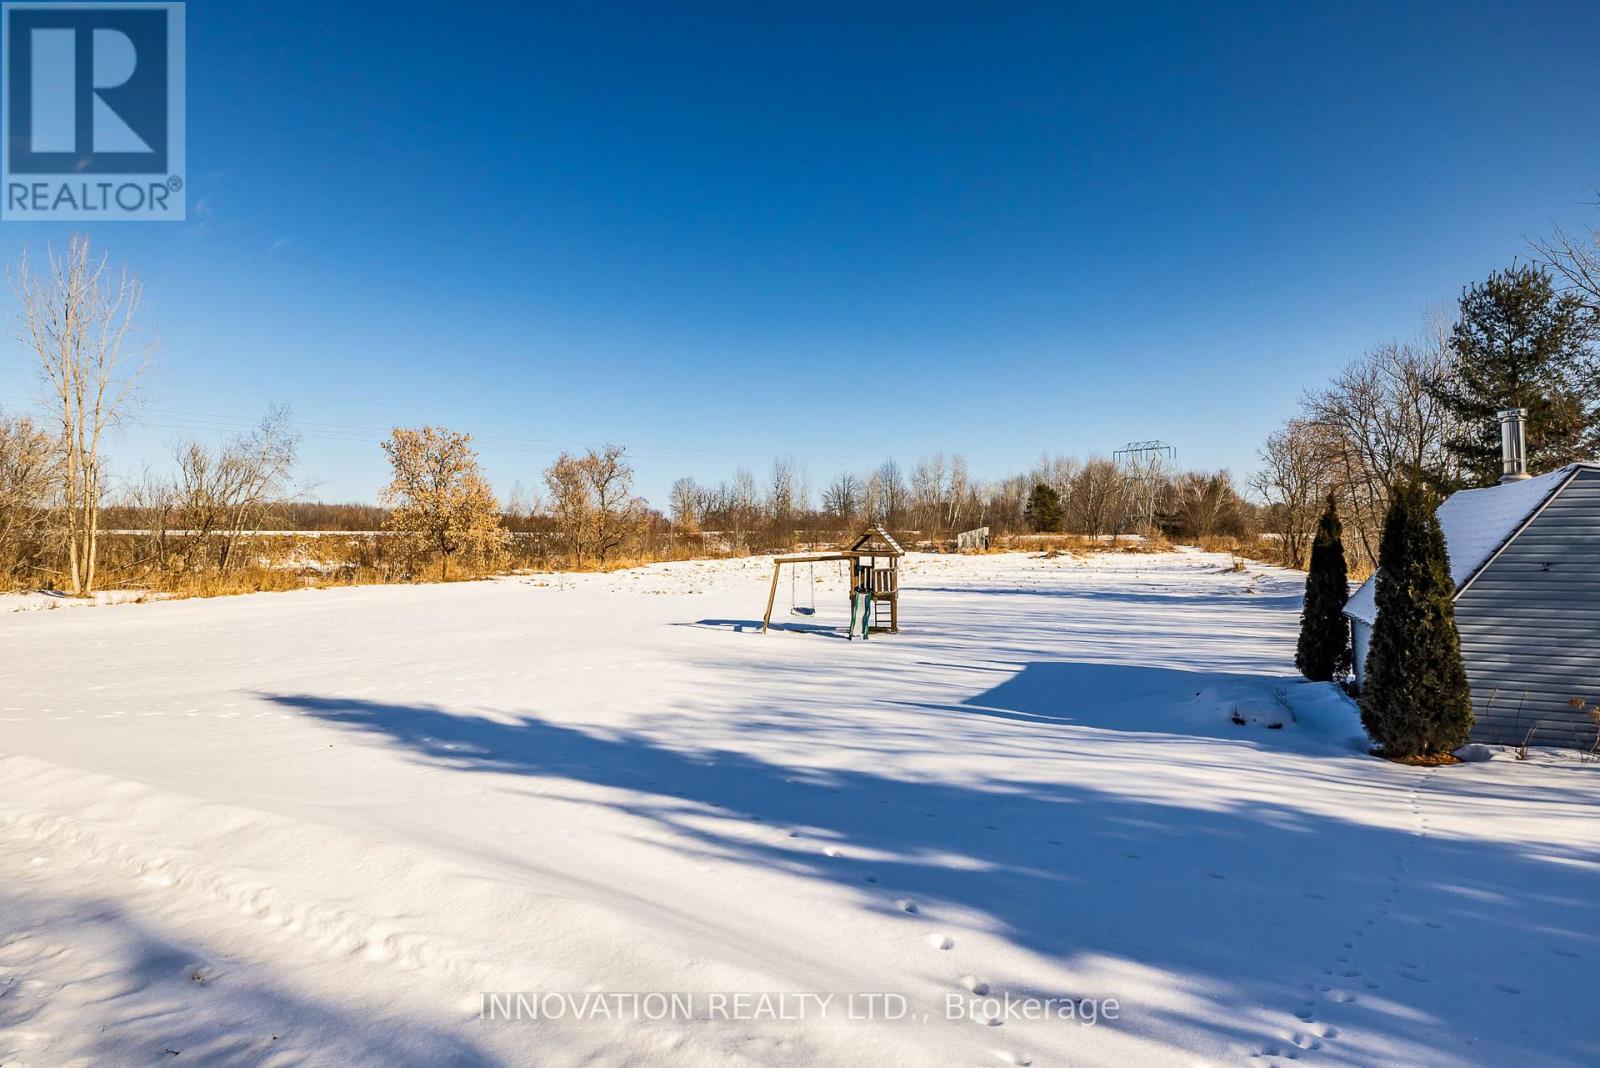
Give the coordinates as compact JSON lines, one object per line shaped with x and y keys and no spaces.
{"x":1513,"y":445}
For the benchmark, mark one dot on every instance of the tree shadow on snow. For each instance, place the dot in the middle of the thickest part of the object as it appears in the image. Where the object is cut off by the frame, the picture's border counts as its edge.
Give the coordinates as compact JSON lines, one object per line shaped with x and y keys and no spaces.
{"x":157,"y":998}
{"x":1240,"y":902}
{"x":1187,"y":598}
{"x":740,"y":626}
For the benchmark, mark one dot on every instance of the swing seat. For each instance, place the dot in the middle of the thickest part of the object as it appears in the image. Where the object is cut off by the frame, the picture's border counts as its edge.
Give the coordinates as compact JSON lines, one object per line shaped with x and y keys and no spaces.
{"x":800,"y":610}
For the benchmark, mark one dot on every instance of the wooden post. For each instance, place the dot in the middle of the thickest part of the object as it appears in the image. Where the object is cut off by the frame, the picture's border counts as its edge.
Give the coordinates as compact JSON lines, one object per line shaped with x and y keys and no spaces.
{"x":772,"y":595}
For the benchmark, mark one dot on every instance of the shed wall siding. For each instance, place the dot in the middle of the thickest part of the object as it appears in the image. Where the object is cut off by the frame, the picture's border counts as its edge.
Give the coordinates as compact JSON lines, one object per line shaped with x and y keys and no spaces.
{"x":1360,"y":642}
{"x":1530,"y":626}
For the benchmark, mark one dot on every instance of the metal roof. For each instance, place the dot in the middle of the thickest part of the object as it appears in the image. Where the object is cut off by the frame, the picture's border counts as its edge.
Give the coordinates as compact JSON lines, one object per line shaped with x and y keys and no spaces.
{"x":1477,"y":524}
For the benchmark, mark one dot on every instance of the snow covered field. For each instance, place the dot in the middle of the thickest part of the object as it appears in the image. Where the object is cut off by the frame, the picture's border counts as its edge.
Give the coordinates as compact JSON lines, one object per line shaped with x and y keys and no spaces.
{"x":312,"y":828}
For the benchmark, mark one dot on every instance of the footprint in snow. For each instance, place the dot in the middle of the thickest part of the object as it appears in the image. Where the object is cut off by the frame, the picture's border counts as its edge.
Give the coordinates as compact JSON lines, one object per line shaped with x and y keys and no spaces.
{"x":940,"y":941}
{"x":906,"y":905}
{"x":975,"y":985}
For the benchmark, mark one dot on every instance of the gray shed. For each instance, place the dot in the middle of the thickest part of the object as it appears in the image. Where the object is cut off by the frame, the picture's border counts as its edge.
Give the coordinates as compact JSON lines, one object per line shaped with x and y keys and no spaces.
{"x":1525,"y":557}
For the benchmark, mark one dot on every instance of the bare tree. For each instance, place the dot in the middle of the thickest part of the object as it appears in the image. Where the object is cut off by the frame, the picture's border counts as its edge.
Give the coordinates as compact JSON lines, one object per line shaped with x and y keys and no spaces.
{"x":960,"y":500}
{"x":619,"y":514}
{"x":781,"y":500}
{"x":1294,"y":478}
{"x":1206,"y":503}
{"x":686,"y":500}
{"x":1575,"y":261}
{"x":27,"y":474}
{"x":887,"y":490}
{"x":928,"y":492}
{"x":521,"y":506}
{"x":441,"y":500}
{"x":81,"y":321}
{"x":843,"y":498}
{"x":220,"y":496}
{"x":592,"y":502}
{"x":1100,"y":498}
{"x":571,"y":506}
{"x":256,"y":468}
{"x":154,"y":500}
{"x":1382,"y":422}
{"x":743,"y":506}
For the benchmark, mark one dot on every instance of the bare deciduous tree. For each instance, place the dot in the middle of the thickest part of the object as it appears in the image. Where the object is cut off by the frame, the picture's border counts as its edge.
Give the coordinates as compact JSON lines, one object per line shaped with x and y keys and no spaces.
{"x":1293,"y":481}
{"x":1100,"y":498}
{"x":81,"y":321}
{"x":843,"y":498}
{"x":220,"y":496}
{"x":593,"y":504}
{"x":1206,"y":503}
{"x":27,"y":474}
{"x":1382,"y":422}
{"x":1575,"y":261}
{"x":783,"y":498}
{"x":685,"y":501}
{"x":886,"y":493}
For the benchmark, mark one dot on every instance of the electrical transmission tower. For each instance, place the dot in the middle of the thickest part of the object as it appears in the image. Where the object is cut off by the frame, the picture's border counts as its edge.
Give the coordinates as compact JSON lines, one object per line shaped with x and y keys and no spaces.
{"x":1149,"y":464}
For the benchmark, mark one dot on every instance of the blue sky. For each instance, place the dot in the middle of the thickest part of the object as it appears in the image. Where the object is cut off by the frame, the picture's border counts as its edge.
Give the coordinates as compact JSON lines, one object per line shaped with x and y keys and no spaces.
{"x":1051,"y":228}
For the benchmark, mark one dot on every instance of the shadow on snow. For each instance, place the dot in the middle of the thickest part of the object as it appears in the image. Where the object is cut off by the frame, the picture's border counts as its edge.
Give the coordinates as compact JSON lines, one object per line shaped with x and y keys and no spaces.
{"x":1237,"y":900}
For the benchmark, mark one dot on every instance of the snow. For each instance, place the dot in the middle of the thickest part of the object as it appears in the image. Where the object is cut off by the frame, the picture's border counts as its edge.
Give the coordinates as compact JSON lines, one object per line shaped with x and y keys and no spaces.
{"x":312,"y":828}
{"x":37,"y":600}
{"x":1476,"y":522}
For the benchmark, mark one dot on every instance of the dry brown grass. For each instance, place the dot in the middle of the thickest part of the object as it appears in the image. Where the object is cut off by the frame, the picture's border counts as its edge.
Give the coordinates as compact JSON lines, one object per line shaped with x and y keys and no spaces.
{"x":277,"y":562}
{"x":1071,"y":544}
{"x":1436,"y":760}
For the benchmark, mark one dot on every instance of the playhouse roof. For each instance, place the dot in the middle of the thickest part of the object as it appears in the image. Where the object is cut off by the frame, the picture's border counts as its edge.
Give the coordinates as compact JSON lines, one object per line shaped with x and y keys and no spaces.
{"x":1476,"y":523}
{"x":885,"y":545}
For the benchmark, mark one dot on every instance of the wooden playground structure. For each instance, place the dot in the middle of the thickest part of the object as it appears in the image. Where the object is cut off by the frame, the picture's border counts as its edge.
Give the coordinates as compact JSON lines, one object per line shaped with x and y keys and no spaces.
{"x":874,"y":559}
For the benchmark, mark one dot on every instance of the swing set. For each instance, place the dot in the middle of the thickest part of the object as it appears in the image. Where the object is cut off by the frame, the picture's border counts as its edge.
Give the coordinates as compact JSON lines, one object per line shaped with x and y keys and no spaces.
{"x":874,"y":562}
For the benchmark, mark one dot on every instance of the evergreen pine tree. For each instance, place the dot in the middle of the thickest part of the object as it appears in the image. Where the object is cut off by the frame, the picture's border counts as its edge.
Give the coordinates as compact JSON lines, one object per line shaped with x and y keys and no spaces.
{"x":1414,"y":699}
{"x":1519,"y":344}
{"x":1324,"y":649}
{"x":1044,"y":509}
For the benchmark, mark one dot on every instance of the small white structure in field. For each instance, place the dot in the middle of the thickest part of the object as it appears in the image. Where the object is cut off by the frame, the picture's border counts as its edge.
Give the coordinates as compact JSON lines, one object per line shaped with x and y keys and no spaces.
{"x":977,"y":538}
{"x":1525,"y":558}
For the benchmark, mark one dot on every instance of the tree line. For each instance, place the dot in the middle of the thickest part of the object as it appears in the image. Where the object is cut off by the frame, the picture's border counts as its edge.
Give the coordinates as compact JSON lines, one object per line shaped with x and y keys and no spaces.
{"x":1422,"y":411}
{"x":64,"y":525}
